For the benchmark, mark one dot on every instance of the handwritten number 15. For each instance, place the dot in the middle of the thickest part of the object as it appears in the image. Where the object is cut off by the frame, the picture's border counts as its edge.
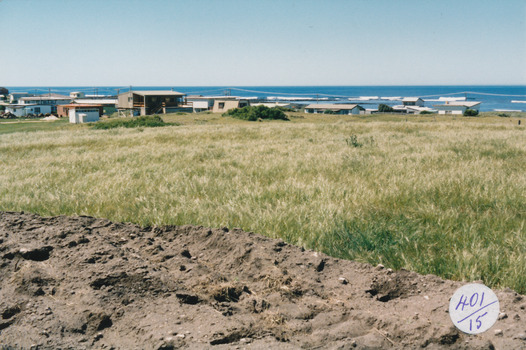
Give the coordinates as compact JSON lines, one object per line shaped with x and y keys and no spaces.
{"x":477,"y":321}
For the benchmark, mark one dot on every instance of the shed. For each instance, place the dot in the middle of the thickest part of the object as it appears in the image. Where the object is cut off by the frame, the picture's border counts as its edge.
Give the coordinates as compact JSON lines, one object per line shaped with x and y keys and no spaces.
{"x":335,"y":108}
{"x":81,"y":113}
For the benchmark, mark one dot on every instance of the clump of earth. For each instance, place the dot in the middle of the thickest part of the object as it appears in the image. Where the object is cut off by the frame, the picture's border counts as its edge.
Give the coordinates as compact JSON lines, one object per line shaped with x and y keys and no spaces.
{"x":88,"y":283}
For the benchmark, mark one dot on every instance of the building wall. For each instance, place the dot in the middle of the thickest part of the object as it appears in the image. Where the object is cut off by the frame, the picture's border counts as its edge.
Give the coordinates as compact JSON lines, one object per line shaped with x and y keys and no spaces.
{"x":22,"y":112}
{"x":452,"y":110}
{"x":123,"y":100}
{"x":221,"y":106}
{"x":83,"y":115}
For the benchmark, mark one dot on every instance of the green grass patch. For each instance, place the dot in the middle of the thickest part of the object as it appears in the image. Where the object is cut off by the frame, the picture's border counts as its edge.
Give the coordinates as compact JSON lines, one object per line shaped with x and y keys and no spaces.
{"x":12,"y":126}
{"x":148,"y":121}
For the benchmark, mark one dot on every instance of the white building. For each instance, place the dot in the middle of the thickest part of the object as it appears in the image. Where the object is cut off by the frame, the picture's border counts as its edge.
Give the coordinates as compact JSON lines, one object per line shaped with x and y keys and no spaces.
{"x":335,"y":108}
{"x":83,"y":113}
{"x":457,"y":107}
{"x":22,"y":110}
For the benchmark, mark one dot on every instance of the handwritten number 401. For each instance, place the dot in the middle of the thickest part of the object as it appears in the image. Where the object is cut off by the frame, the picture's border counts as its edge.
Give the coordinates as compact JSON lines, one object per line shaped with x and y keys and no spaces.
{"x":472,"y":301}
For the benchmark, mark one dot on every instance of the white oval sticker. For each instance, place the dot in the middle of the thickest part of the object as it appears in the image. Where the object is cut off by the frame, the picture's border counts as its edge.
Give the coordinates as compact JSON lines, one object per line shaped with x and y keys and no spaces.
{"x":474,"y":308}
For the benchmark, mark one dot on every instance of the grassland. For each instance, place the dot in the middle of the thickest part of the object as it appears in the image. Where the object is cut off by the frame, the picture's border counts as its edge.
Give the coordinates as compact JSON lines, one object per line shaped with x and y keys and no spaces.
{"x":432,"y":194}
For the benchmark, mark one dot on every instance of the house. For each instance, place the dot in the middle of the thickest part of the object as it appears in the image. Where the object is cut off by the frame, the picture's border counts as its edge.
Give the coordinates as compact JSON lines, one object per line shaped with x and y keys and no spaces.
{"x":457,"y":107}
{"x":335,"y":109}
{"x":80,"y":113}
{"x":150,"y":102}
{"x":413,"y":101}
{"x":225,"y":104}
{"x":22,"y":110}
{"x":50,"y":99}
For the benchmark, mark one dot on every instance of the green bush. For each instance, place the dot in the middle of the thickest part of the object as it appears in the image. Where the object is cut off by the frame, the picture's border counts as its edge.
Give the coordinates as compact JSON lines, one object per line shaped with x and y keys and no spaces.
{"x":135,"y":122}
{"x":383,"y":108}
{"x":471,"y":112}
{"x":426,"y":112}
{"x":253,"y":113}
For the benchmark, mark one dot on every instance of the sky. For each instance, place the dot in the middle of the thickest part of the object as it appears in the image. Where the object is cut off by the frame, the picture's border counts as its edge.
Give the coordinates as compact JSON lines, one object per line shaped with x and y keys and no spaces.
{"x":262,"y":42}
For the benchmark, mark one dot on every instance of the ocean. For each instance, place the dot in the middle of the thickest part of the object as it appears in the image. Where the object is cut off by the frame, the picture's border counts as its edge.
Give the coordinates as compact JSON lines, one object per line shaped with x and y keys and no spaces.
{"x":492,"y":97}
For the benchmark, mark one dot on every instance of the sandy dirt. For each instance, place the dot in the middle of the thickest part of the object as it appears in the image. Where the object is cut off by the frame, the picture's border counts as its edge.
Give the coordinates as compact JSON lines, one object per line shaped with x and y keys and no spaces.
{"x":88,"y":283}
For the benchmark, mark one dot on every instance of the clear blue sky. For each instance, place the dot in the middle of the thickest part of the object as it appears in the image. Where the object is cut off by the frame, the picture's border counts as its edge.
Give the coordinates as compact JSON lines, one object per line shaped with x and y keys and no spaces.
{"x":256,"y":42}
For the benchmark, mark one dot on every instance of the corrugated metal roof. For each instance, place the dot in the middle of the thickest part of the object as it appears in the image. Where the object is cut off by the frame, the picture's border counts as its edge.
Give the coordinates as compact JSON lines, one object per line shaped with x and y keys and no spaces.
{"x":334,"y":106}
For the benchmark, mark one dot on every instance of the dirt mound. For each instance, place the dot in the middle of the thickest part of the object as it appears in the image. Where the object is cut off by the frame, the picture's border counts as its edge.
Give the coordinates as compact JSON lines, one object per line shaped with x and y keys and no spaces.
{"x":82,"y":283}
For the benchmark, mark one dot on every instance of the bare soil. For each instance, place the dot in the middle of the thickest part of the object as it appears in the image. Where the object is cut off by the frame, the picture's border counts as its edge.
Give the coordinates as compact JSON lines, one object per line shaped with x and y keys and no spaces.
{"x":83,"y":283}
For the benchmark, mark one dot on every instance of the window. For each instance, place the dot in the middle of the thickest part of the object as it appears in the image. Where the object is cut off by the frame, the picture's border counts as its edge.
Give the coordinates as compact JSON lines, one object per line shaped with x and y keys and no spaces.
{"x":37,"y":109}
{"x":221,"y":105}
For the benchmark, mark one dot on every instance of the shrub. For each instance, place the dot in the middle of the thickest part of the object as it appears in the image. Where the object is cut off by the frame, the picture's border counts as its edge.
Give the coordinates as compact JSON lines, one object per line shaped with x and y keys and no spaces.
{"x":135,"y":122}
{"x":253,"y":113}
{"x":352,"y":141}
{"x":426,"y":112}
{"x":470,"y":112}
{"x":383,"y":108}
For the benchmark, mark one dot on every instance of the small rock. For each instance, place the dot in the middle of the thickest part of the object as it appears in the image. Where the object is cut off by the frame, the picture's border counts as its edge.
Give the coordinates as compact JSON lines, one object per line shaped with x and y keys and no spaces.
{"x":521,"y":336}
{"x":516,"y":317}
{"x":380,"y":267}
{"x":503,"y":316}
{"x":426,"y":297}
{"x":389,"y":271}
{"x":182,"y":336}
{"x":343,"y":280}
{"x":499,"y":333}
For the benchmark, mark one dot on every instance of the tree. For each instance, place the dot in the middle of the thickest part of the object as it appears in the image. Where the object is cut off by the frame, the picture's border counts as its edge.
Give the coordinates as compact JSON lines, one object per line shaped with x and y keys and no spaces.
{"x":383,"y":108}
{"x":471,"y":112}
